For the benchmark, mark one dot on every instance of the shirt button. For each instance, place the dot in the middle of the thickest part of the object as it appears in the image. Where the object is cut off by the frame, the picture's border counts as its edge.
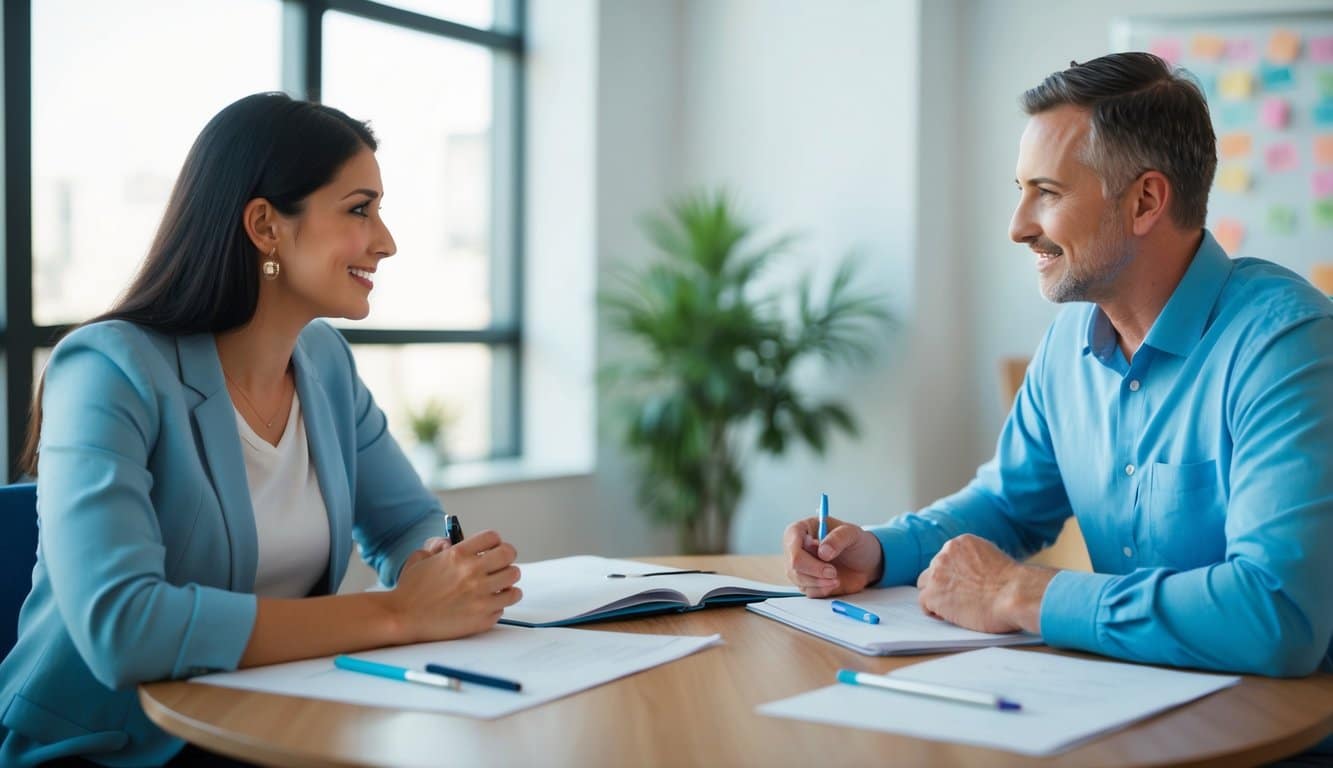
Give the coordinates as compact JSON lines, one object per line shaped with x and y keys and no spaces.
{"x":1128,"y":552}
{"x":1129,"y":469}
{"x":1134,"y":385}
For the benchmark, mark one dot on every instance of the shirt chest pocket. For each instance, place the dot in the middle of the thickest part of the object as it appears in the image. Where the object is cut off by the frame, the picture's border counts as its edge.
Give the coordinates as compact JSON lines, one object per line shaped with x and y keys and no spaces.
{"x":1185,"y":515}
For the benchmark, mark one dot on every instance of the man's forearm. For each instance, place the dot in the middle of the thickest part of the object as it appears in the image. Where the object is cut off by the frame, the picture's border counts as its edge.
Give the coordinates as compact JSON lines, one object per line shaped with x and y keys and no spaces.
{"x":1023,"y":594}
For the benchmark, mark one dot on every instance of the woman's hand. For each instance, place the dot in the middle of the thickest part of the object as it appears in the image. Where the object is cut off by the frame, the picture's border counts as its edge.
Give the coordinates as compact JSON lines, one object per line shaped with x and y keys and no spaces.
{"x":447,"y":591}
{"x":432,"y":546}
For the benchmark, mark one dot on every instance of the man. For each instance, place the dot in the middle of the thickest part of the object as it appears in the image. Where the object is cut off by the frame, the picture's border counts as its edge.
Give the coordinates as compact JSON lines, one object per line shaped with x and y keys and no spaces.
{"x":1181,"y":407}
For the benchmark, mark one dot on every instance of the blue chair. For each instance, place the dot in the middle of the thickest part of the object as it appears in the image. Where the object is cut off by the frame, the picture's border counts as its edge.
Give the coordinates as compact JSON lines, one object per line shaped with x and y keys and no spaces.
{"x":18,"y":555}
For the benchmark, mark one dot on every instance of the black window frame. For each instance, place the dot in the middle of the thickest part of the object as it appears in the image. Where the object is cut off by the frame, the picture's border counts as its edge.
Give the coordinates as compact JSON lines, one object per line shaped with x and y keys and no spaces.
{"x":303,"y":44}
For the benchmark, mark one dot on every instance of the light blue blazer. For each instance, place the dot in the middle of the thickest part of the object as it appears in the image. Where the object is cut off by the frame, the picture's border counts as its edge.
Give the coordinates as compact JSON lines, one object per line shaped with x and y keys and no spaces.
{"x":147,"y":553}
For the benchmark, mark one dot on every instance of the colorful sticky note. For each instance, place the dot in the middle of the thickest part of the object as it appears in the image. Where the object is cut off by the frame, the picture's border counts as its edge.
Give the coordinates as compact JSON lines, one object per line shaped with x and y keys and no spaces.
{"x":1234,"y":178}
{"x":1239,"y":49}
{"x":1235,"y":114}
{"x":1281,"y":156}
{"x":1284,"y":46}
{"x":1276,"y":78}
{"x":1229,"y":234}
{"x":1321,"y":50}
{"x":1237,"y":85}
{"x":1166,"y":47}
{"x":1321,"y":276}
{"x":1234,"y":145}
{"x":1281,"y":219}
{"x":1275,"y":113}
{"x":1323,"y":112}
{"x":1206,"y":46}
{"x":1323,"y":149}
{"x":1323,"y":213}
{"x":1324,"y":81}
{"x":1321,"y":184}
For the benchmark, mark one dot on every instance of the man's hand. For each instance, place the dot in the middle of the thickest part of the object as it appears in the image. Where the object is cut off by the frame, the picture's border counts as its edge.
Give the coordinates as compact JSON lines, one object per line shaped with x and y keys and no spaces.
{"x":973,"y":584}
{"x":848,"y":559}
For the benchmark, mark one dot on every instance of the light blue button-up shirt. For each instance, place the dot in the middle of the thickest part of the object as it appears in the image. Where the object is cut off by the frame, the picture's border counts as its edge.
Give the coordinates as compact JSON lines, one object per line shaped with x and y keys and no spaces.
{"x":1201,"y":474}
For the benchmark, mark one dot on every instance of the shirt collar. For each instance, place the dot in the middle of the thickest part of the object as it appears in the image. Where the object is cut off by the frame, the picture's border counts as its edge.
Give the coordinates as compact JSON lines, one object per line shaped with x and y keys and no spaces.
{"x":1181,"y":322}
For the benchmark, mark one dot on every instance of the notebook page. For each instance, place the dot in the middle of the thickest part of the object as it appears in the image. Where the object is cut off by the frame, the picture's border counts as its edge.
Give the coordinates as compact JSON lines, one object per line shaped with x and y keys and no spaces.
{"x":571,"y":587}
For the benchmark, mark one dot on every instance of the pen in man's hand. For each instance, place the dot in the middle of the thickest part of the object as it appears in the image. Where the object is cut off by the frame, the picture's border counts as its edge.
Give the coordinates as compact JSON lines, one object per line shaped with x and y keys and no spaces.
{"x":823,"y":516}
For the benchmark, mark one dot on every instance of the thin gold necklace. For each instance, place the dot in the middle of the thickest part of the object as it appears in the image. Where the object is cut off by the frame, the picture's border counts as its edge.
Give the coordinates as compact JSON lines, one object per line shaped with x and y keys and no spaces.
{"x":268,"y":423}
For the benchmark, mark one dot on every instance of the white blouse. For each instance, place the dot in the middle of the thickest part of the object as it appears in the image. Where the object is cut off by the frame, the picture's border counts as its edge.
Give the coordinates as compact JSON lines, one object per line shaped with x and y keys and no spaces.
{"x":290,"y":517}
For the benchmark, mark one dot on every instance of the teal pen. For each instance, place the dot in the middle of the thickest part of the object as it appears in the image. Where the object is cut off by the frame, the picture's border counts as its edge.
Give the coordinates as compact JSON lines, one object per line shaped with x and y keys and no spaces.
{"x":930,"y":690}
{"x":854,"y":612}
{"x":396,"y":673}
{"x":823,"y":516}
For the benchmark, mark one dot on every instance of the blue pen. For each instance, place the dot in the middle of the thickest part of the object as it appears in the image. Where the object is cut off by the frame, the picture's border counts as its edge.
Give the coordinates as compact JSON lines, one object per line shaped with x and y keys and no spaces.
{"x":395,"y":673}
{"x":475,"y":677}
{"x":823,"y":516}
{"x":947,"y":692}
{"x":854,"y":612}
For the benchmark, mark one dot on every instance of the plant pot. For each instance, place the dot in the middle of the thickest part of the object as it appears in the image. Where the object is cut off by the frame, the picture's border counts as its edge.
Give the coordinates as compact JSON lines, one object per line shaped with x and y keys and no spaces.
{"x":426,"y":459}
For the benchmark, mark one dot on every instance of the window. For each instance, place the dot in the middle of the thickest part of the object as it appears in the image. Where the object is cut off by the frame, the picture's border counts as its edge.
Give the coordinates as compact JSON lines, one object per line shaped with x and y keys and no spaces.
{"x":102,"y":101}
{"x":108,"y":140}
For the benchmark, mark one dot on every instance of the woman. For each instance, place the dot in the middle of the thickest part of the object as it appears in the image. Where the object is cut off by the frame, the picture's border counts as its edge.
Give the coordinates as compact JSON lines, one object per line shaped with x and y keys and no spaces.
{"x":205,"y":454}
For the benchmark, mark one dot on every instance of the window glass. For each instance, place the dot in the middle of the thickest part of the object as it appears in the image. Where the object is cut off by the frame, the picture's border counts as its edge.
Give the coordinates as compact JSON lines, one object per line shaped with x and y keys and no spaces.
{"x":407,"y":379}
{"x":435,"y":157}
{"x":119,"y":92}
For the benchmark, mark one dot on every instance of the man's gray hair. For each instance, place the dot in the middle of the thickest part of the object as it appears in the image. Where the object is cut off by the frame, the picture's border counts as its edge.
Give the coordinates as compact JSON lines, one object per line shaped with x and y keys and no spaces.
{"x":1145,"y":116}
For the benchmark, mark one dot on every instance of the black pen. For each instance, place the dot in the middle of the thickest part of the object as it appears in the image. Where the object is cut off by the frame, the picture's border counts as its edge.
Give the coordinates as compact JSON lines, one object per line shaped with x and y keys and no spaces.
{"x":653,"y":573}
{"x":453,"y":529}
{"x":474,"y":677}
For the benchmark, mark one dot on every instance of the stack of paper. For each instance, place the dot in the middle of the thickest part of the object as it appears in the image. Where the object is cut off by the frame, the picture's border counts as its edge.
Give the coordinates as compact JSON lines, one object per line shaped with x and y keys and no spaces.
{"x":550,"y":663}
{"x":903,"y":627}
{"x":1066,"y":701}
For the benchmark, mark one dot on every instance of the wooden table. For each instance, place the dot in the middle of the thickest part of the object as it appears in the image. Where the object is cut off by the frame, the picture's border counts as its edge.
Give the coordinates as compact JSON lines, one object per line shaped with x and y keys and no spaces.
{"x":701,"y":711}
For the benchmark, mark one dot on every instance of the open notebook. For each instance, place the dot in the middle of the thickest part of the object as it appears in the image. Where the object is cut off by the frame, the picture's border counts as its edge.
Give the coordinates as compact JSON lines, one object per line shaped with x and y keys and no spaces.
{"x":572,"y":590}
{"x":902,"y":629}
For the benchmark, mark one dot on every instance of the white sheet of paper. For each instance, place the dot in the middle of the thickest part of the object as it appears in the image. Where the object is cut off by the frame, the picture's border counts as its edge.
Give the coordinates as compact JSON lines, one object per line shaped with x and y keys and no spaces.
{"x":1065,"y":700}
{"x":902,"y":627}
{"x":550,"y":663}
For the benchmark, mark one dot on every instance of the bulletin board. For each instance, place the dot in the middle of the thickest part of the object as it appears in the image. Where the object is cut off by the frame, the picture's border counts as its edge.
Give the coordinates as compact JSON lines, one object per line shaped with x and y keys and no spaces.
{"x":1269,"y":83}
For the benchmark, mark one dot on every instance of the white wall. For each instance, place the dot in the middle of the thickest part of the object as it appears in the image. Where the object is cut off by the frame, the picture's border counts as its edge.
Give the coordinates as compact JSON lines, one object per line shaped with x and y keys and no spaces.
{"x":1007,"y":47}
{"x":638,"y":107}
{"x":804,"y":110}
{"x":944,"y":413}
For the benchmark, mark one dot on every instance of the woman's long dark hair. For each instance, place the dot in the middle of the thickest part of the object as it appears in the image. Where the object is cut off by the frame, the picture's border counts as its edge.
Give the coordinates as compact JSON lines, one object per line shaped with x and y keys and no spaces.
{"x":201,"y":274}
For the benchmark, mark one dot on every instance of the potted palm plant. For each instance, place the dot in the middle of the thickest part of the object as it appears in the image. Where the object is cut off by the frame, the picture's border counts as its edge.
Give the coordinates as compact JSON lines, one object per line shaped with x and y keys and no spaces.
{"x":712,"y":380}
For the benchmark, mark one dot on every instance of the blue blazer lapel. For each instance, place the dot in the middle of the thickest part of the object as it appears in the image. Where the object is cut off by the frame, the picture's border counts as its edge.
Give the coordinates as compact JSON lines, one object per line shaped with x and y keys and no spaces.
{"x":330,"y":467}
{"x":215,"y":431}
